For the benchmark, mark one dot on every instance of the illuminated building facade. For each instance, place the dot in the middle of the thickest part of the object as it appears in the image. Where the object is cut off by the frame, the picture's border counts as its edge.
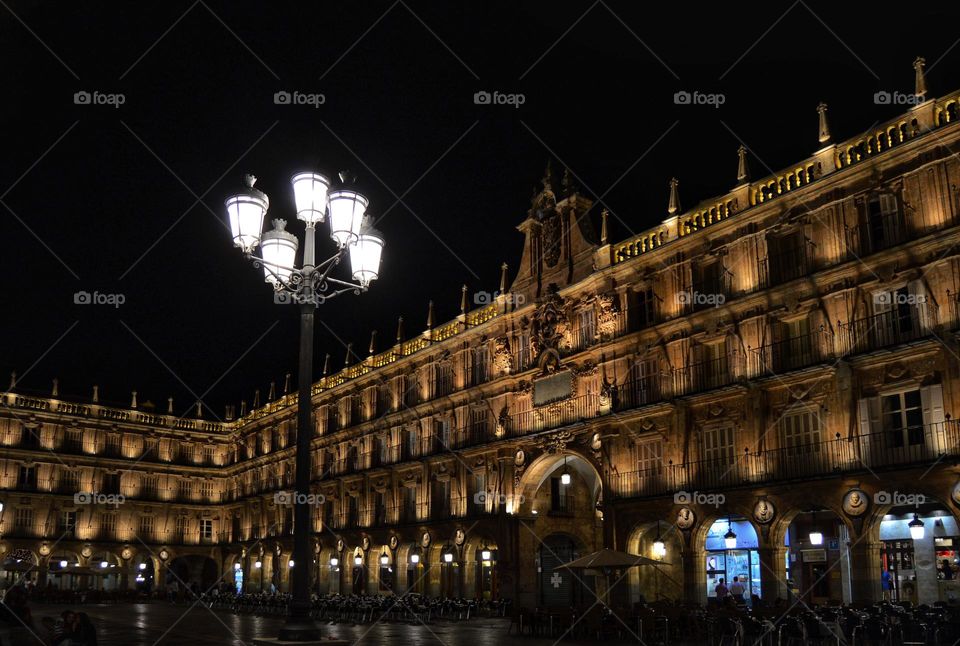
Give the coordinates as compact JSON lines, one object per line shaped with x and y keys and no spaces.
{"x":763,"y":382}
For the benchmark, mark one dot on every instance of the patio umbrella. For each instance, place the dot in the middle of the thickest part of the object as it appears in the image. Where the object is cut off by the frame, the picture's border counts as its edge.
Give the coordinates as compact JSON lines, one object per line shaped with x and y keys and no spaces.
{"x":607,"y":560}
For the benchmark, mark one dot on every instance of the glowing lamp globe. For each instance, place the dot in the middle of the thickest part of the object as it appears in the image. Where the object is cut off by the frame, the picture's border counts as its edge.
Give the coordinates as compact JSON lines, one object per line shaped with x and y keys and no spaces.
{"x":565,"y":478}
{"x":63,"y":564}
{"x":916,"y":528}
{"x":816,"y":538}
{"x":278,"y":247}
{"x":730,"y":540}
{"x":358,"y":560}
{"x":365,"y":255}
{"x":236,"y":566}
{"x":334,"y":561}
{"x":414,"y":558}
{"x":142,"y":566}
{"x":659,"y":549}
{"x":104,"y":564}
{"x":257,"y":564}
{"x":346,"y":216}
{"x":384,"y":560}
{"x":448,"y":557}
{"x":290,"y":563}
{"x":485,"y":554}
{"x":310,"y":196}
{"x":246,"y":211}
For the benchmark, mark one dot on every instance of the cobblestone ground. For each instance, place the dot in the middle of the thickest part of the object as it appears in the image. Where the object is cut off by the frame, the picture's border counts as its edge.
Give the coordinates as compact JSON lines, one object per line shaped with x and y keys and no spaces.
{"x":159,"y":624}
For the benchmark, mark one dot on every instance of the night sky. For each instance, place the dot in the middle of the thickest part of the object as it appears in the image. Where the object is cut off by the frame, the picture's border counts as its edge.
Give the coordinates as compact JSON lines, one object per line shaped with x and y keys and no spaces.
{"x":129,"y":200}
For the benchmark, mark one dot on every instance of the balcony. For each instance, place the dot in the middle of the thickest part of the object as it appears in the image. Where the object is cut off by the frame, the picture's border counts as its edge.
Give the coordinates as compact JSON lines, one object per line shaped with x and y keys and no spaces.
{"x":708,"y":374}
{"x":792,"y":353}
{"x":898,"y":448}
{"x":880,"y":231}
{"x":902,"y":324}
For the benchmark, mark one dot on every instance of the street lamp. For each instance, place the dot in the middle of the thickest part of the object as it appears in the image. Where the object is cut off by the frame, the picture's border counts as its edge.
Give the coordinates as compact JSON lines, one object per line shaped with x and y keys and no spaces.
{"x":565,"y":476}
{"x":659,"y":548}
{"x":384,"y":559}
{"x":309,"y":285}
{"x":916,"y":528}
{"x":730,"y":538}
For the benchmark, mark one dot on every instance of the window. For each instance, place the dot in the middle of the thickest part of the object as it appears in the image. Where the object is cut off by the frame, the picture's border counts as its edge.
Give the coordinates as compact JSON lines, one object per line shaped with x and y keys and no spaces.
{"x":522,"y":353}
{"x":409,"y":504}
{"x":412,"y":441}
{"x":206,"y":529}
{"x":902,"y":418}
{"x":73,"y":441}
{"x":586,"y":327}
{"x":208,"y":455}
{"x":108,"y":525}
{"x":644,"y":386}
{"x":787,"y":257}
{"x":650,"y":458}
{"x":646,"y":308}
{"x":800,"y":432}
{"x":148,"y":487}
{"x":67,"y":522}
{"x":480,"y":490}
{"x":114,"y":445}
{"x":145,"y":529}
{"x":443,"y":379}
{"x":23,"y":520}
{"x":441,"y":431}
{"x":481,"y":365}
{"x":27,"y":478}
{"x":111,"y":483}
{"x":69,"y":481}
{"x":440,"y":499}
{"x":717,"y":446}
{"x":206,"y":490}
{"x":883,"y":222}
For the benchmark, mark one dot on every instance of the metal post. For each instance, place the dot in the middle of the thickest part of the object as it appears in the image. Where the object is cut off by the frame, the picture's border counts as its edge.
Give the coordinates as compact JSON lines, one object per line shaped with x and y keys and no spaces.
{"x":299,"y":625}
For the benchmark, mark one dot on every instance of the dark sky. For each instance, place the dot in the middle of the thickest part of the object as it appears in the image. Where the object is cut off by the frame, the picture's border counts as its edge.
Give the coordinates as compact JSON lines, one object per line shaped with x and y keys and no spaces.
{"x":129,"y":200}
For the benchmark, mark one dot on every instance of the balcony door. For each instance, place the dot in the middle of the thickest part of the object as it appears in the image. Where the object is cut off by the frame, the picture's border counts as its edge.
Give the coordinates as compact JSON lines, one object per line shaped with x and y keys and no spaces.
{"x":903,"y":425}
{"x":719,"y":455}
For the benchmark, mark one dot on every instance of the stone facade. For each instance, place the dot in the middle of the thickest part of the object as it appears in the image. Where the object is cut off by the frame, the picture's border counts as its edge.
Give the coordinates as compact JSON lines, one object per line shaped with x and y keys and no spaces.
{"x":781,"y":354}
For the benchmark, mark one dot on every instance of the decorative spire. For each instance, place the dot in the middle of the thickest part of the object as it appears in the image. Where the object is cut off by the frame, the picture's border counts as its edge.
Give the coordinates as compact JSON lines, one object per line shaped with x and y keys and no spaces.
{"x":199,"y":409}
{"x":133,"y":399}
{"x":272,"y":394}
{"x":56,"y":386}
{"x":243,"y":408}
{"x":603,"y":226}
{"x":346,"y":362}
{"x":503,"y":278}
{"x":228,"y":412}
{"x":169,"y":405}
{"x":373,"y":343}
{"x":430,"y":316}
{"x":824,"y":128}
{"x":569,"y":188}
{"x":673,"y":206}
{"x":547,"y":174}
{"x":96,"y":393}
{"x":326,"y":365}
{"x":286,"y":384}
{"x":743,"y":173}
{"x":920,"y":86}
{"x":463,"y":299}
{"x":256,"y":398}
{"x":13,"y":380}
{"x":400,"y":330}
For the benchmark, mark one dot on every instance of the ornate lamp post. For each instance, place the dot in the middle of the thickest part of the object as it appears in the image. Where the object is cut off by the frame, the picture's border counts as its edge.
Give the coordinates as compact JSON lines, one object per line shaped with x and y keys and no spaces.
{"x":309,"y":285}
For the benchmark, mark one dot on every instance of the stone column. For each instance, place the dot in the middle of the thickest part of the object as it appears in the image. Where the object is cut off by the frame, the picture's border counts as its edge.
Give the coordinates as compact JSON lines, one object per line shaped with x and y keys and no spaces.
{"x":773,"y":573}
{"x":865,"y":570}
{"x":694,"y":584}
{"x":925,"y":562}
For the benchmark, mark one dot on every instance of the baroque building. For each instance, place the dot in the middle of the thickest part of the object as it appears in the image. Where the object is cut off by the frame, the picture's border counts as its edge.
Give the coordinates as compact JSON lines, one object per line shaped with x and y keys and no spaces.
{"x":762,"y":383}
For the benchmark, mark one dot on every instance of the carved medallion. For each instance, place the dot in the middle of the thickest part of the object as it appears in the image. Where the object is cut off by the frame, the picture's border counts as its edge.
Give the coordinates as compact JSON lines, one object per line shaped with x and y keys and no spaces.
{"x":764,"y":511}
{"x":855,"y":503}
{"x":686,"y":518}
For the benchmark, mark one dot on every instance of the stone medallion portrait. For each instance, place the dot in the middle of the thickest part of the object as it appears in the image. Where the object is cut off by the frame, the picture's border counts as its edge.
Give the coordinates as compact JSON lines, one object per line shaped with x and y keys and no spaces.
{"x":764,"y":511}
{"x":855,"y":502}
{"x":686,"y":518}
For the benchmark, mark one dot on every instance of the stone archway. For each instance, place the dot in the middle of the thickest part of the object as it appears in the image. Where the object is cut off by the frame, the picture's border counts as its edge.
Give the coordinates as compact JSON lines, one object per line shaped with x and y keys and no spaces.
{"x":652,"y":583}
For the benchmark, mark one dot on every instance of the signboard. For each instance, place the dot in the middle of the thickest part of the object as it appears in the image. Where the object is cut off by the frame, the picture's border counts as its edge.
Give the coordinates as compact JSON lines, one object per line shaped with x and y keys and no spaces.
{"x":814,"y":556}
{"x":552,"y":388}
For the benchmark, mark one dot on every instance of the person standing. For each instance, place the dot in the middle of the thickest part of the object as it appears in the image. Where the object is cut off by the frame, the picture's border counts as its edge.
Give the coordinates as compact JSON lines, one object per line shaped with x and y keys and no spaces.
{"x":721,"y":591}
{"x":736,"y":590}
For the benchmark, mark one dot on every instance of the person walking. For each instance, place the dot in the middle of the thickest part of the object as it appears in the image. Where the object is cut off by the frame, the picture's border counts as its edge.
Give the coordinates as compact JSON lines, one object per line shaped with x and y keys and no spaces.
{"x":721,"y":591}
